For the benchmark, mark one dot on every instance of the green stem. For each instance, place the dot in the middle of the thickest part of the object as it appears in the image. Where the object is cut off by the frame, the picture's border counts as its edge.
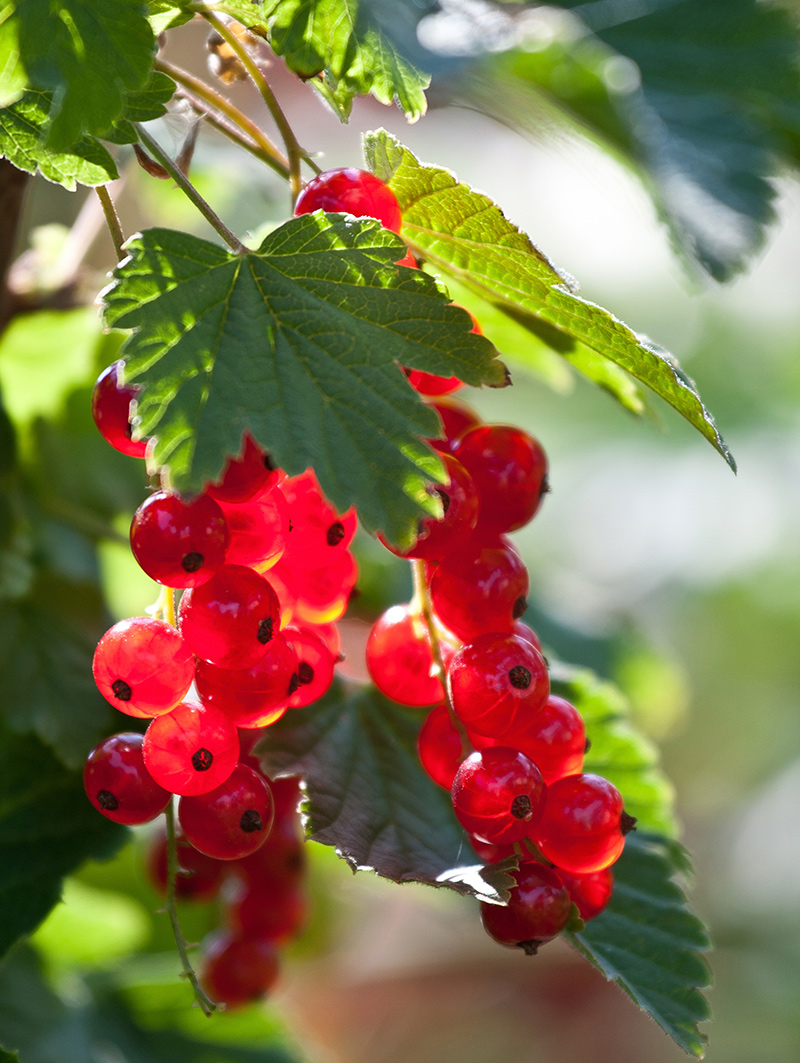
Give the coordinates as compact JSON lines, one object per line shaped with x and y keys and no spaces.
{"x":293,"y":150}
{"x":182,"y":181}
{"x":207,"y":1005}
{"x":422,"y":597}
{"x":112,"y":220}
{"x":196,"y":91}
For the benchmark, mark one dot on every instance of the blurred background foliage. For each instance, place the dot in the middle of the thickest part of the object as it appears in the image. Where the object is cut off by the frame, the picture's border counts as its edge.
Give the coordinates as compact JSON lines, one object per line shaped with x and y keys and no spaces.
{"x":650,"y":563}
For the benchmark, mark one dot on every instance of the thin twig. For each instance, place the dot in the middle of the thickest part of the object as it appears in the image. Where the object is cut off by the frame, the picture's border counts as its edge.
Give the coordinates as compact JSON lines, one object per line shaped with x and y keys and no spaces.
{"x":269,"y":152}
{"x":293,"y":150}
{"x":207,"y":1005}
{"x":422,"y":596}
{"x":112,"y":220}
{"x":183,"y":182}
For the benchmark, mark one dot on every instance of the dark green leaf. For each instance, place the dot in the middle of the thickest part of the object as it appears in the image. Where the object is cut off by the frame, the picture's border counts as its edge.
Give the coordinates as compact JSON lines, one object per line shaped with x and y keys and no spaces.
{"x":650,"y":943}
{"x":87,"y":53}
{"x":464,"y":233}
{"x":47,"y":829}
{"x":368,"y":795}
{"x":46,"y":685}
{"x":22,"y":141}
{"x":299,"y":343}
{"x":144,"y":105}
{"x":618,"y":752}
{"x":336,"y":43}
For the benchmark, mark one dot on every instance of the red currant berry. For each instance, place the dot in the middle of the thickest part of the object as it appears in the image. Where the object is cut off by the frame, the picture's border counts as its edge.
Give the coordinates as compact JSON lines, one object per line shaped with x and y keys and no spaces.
{"x":255,"y":697}
{"x":314,"y":665}
{"x":439,"y":747}
{"x":118,"y":784}
{"x":526,"y":632}
{"x":199,"y":877}
{"x":259,"y":530}
{"x":351,"y":191}
{"x":238,"y":970}
{"x":268,"y":909}
{"x":179,"y":543}
{"x":111,"y":404}
{"x":282,"y":857}
{"x":319,"y":595}
{"x":246,"y":477}
{"x":318,"y":530}
{"x":192,"y":749}
{"x":142,"y":666}
{"x":491,"y":854}
{"x":589,"y":893}
{"x":498,"y":794}
{"x":497,"y":683}
{"x":456,"y":419}
{"x":538,"y":910}
{"x":232,"y":820}
{"x":230,"y":620}
{"x":584,"y":824}
{"x":554,"y":739}
{"x":400,"y":659}
{"x":480,"y":588}
{"x":510,"y":470}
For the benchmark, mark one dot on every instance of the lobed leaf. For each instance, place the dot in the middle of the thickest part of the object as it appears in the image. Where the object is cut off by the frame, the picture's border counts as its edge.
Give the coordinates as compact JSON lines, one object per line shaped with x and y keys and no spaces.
{"x":650,"y":943}
{"x":144,"y":105}
{"x":463,"y":233}
{"x":299,"y":343}
{"x":369,"y":797}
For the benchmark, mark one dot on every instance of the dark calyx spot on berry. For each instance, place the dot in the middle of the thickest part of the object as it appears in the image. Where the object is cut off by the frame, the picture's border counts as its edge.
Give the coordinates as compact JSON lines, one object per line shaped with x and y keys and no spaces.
{"x":587,"y":745}
{"x":121,"y":690}
{"x":107,"y":801}
{"x":545,"y":489}
{"x":192,"y":562}
{"x":335,"y":533}
{"x":521,"y":807}
{"x":251,"y":821}
{"x":294,"y":683}
{"x":305,"y":673}
{"x":269,"y":464}
{"x":530,"y":948}
{"x":627,"y":823}
{"x":265,"y":631}
{"x":519,"y":677}
{"x":520,"y":605}
{"x":202,"y":759}
{"x":291,"y":526}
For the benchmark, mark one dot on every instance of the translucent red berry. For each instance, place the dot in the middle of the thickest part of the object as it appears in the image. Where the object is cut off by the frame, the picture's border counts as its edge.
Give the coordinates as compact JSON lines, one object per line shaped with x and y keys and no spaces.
{"x":192,"y":749}
{"x":230,"y":620}
{"x":111,"y":404}
{"x":142,"y":666}
{"x":480,"y":588}
{"x":554,"y":739}
{"x":268,"y":909}
{"x":589,"y":893}
{"x":199,"y":877}
{"x":319,"y":532}
{"x":231,"y":821}
{"x":351,"y":191}
{"x":498,"y":683}
{"x":318,"y":595}
{"x":314,"y":666}
{"x":118,"y":784}
{"x":400,"y":659}
{"x":439,"y":747}
{"x":259,"y":530}
{"x":179,"y":543}
{"x":238,"y":970}
{"x":252,"y":697}
{"x":456,"y":419}
{"x":282,"y":857}
{"x":498,"y":794}
{"x":584,"y":824}
{"x":245,"y":477}
{"x":537,"y":911}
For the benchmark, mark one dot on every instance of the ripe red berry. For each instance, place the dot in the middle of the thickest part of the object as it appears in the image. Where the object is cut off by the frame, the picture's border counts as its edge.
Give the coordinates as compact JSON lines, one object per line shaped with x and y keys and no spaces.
{"x":238,"y":970}
{"x":317,"y":595}
{"x":439,"y":747}
{"x":199,"y":877}
{"x":351,"y":191}
{"x":268,"y":909}
{"x":282,"y":857}
{"x":259,"y":530}
{"x":499,"y":683}
{"x":111,"y":403}
{"x":192,"y":749}
{"x":554,"y":739}
{"x":509,"y":468}
{"x":538,"y":909}
{"x":400,"y":659}
{"x":142,"y":666}
{"x":118,"y":784}
{"x":232,"y":820}
{"x":245,"y":477}
{"x":230,"y":620}
{"x":480,"y":588}
{"x":314,"y":666}
{"x":498,"y":794}
{"x":589,"y":893}
{"x":584,"y":824}
{"x":253,"y":697}
{"x":318,"y":530}
{"x":177,"y":542}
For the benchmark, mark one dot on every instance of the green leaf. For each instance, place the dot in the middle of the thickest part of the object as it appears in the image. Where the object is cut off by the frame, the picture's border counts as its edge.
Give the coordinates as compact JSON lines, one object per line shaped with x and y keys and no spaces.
{"x":87,"y":52}
{"x":145,"y":105}
{"x":650,"y":943}
{"x":464,"y":233}
{"x":22,"y":142}
{"x":337,"y":43}
{"x":46,"y":685}
{"x":299,"y":343}
{"x":618,"y":752}
{"x":13,"y":79}
{"x":368,"y":795}
{"x":47,"y":829}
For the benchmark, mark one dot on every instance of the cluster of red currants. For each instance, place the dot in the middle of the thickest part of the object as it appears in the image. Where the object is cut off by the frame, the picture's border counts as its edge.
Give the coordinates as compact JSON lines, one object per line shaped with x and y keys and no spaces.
{"x":265,"y":570}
